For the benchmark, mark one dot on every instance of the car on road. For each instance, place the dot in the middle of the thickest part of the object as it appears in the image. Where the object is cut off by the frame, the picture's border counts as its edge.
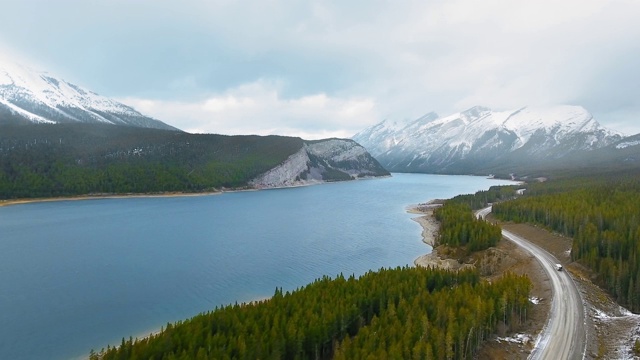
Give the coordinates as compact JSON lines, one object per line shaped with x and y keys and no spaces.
{"x":558,"y":267}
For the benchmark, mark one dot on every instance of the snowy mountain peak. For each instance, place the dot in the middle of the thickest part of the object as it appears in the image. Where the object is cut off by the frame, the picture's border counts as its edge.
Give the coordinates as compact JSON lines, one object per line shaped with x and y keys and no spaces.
{"x":480,"y":135}
{"x":392,"y":125}
{"x":570,"y":118}
{"x":28,"y":95}
{"x":476,"y":112}
{"x":428,"y":117}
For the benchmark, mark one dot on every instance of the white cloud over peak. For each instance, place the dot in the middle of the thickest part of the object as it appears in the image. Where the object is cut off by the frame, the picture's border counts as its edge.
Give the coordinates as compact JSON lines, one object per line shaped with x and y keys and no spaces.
{"x":259,"y":108}
{"x":328,"y":66}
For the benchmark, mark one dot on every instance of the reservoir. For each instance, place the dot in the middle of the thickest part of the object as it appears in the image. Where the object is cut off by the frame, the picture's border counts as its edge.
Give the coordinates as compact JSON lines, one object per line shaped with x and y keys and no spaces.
{"x":79,"y":275}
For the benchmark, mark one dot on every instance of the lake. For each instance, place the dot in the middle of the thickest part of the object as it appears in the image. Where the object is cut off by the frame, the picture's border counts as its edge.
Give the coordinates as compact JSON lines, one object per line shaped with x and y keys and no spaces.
{"x":78,"y":275}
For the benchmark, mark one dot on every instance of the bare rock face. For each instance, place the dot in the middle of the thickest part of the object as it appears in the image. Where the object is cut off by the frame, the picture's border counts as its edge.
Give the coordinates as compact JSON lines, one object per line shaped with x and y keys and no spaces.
{"x":322,"y":161}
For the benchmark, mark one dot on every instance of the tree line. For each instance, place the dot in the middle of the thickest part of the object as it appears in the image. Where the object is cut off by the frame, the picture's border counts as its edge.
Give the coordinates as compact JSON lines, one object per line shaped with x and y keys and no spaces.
{"x":483,"y":198}
{"x":76,"y":159}
{"x":400,"y":313}
{"x":460,"y":228}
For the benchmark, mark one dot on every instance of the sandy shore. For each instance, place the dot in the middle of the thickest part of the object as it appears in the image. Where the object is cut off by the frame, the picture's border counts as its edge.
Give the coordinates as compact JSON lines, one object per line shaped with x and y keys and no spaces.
{"x":430,"y":227}
{"x":95,"y":197}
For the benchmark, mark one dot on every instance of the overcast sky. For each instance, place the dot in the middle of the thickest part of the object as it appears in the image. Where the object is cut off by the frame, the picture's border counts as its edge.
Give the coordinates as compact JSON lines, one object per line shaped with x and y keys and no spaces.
{"x":331,"y":68}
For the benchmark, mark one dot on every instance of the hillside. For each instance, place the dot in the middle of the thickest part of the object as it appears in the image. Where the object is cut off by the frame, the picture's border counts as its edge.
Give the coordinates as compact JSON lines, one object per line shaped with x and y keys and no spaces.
{"x":48,"y":160}
{"x":401,"y":313}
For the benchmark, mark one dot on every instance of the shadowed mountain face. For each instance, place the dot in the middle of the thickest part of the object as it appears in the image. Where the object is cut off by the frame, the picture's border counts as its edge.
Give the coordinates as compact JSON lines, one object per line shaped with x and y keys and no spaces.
{"x":480,"y":140}
{"x":29,"y":96}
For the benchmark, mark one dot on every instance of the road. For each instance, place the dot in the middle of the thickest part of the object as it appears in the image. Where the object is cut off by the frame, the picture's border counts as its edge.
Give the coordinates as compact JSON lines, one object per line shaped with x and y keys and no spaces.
{"x":564,"y":335}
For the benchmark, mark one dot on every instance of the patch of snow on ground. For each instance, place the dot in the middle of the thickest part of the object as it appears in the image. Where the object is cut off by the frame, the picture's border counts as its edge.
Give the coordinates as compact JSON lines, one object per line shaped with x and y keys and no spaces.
{"x":535,"y":300}
{"x":626,"y":312}
{"x":601,"y":315}
{"x":623,"y":313}
{"x":517,"y":339}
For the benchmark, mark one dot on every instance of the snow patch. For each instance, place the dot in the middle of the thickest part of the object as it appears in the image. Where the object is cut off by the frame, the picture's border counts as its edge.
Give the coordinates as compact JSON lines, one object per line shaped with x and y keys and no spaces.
{"x":28,"y":115}
{"x":626,"y":144}
{"x":517,"y":339}
{"x":601,"y":315}
{"x":623,"y":313}
{"x":535,"y":300}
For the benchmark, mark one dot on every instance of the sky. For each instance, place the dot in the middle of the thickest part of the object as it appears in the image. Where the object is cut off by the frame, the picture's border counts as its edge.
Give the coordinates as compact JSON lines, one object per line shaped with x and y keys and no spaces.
{"x":318,"y":69}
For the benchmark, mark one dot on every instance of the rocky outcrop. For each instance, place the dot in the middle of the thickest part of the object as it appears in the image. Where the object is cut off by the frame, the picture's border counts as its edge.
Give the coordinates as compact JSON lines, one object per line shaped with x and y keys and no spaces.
{"x":322,"y":161}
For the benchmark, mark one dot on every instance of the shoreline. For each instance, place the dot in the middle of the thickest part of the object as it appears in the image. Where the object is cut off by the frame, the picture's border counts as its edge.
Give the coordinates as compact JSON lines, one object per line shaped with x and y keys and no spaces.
{"x":413,"y":209}
{"x":430,"y":228}
{"x":22,"y":201}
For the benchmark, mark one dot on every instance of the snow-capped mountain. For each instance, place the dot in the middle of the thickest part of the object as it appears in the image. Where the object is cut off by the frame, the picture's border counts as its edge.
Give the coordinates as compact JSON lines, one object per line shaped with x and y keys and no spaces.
{"x":479,"y":138}
{"x":30,"y":96}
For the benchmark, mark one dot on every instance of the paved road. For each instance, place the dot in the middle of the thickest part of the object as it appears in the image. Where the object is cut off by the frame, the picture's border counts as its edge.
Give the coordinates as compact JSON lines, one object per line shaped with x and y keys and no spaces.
{"x":564,"y":335}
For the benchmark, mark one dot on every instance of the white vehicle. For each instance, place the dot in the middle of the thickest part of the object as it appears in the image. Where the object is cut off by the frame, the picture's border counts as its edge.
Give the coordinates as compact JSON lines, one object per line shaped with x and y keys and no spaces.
{"x":558,"y":267}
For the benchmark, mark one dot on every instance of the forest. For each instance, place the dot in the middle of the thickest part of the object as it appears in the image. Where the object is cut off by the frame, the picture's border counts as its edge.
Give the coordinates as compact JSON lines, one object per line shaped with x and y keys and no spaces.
{"x":602,"y":215}
{"x":400,"y":313}
{"x":483,"y":198}
{"x":460,"y":228}
{"x":77,"y":159}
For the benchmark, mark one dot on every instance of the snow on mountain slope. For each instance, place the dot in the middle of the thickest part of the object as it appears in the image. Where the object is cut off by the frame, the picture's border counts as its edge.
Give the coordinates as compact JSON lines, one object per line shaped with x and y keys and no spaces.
{"x":474,"y":138}
{"x":27,"y":95}
{"x":626,"y":144}
{"x":386,"y":134}
{"x":322,"y":161}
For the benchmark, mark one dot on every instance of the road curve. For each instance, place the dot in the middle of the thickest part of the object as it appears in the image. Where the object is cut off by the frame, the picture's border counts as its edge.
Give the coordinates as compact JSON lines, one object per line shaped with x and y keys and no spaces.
{"x":564,"y":335}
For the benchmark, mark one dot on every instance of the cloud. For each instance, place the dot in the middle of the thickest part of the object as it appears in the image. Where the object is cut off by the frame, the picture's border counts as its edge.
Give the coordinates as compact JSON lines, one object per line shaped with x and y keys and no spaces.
{"x":401,"y":59}
{"x":259,"y":108}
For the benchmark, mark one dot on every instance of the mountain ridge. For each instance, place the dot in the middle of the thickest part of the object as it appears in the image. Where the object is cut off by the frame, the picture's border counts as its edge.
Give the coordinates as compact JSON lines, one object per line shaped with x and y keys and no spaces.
{"x":32,"y":96}
{"x":479,"y":139}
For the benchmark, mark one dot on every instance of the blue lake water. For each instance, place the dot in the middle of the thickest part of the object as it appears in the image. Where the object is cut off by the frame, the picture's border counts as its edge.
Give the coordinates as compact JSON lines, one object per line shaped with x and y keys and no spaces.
{"x":78,"y":275}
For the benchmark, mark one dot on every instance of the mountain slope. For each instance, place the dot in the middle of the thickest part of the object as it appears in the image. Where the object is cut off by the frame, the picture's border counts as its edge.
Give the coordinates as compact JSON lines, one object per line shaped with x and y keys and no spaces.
{"x":44,"y":160}
{"x":29,"y":96}
{"x":320,"y":161}
{"x":621,"y":157}
{"x":480,"y":139}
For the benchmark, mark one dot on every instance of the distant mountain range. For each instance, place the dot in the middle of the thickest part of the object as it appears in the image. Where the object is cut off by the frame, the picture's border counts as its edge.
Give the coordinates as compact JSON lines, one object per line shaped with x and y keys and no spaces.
{"x":30,"y":96}
{"x":475,"y":141}
{"x":483,"y":141}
